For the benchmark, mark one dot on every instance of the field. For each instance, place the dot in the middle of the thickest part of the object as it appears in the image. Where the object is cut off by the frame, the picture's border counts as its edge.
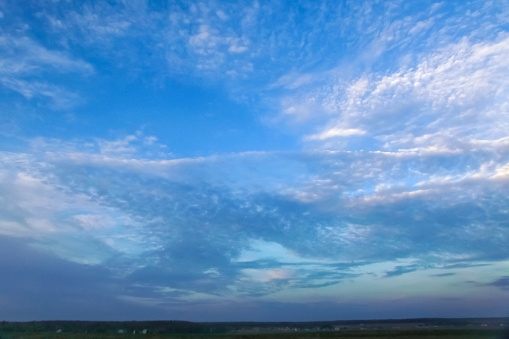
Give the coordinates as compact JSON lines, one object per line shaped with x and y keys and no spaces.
{"x":445,"y":334}
{"x":493,"y":328}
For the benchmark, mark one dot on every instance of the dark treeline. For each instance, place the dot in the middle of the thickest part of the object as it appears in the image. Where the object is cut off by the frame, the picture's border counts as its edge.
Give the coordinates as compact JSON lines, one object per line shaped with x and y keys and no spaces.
{"x":104,"y":326}
{"x":186,"y":327}
{"x":330,"y":324}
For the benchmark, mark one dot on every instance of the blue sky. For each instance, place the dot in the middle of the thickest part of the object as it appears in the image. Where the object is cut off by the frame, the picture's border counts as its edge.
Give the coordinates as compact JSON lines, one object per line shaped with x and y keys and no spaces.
{"x":251,"y":160}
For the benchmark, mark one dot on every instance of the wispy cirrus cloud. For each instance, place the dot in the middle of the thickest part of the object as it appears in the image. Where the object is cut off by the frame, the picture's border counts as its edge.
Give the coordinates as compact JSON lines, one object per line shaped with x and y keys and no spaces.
{"x":26,"y":66}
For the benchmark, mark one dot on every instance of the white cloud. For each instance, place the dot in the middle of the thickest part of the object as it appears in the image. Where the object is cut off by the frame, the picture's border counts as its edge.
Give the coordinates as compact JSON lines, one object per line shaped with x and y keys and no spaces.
{"x":269,"y":250}
{"x":266,"y":275}
{"x":235,"y":47}
{"x":91,"y":221}
{"x":501,"y":173}
{"x":302,"y":109}
{"x":336,"y":132}
{"x":31,"y":206}
{"x":59,"y":98}
{"x":24,"y":56}
{"x":122,"y":146}
{"x":456,"y":92}
{"x":222,"y":15}
{"x":293,"y":80}
{"x":421,"y":26}
{"x":348,"y":234}
{"x":36,"y":206}
{"x":390,"y":197}
{"x":25,"y":63}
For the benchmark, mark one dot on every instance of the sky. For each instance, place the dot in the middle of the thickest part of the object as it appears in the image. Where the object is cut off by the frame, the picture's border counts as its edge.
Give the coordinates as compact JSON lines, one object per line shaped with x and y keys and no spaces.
{"x":254,"y":160}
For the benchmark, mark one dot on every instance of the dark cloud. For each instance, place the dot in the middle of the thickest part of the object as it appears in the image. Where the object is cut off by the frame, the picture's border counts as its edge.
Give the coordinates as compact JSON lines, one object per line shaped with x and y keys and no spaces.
{"x":444,"y":274}
{"x":502,"y":282}
{"x":38,"y":286}
{"x":400,"y":270}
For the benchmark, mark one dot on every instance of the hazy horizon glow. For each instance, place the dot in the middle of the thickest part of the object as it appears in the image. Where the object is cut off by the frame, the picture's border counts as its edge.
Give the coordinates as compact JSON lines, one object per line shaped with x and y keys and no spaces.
{"x":254,"y":160}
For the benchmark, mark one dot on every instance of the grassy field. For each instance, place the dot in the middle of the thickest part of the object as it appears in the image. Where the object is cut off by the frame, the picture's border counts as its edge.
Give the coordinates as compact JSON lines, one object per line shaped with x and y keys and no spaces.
{"x":417,"y":334}
{"x":468,"y":328}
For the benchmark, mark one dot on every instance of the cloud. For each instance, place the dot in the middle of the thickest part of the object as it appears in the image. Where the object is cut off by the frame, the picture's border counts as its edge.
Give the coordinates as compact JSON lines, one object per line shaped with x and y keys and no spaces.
{"x":178,"y":39}
{"x":400,"y":270}
{"x":293,"y":80}
{"x":265,"y":276}
{"x":404,"y":167}
{"x":25,"y":56}
{"x":444,"y":274}
{"x":447,"y":85}
{"x":209,"y":39}
{"x":502,"y":282}
{"x":444,"y":96}
{"x":64,"y":223}
{"x":58,"y":97}
{"x":71,"y":291}
{"x":336,"y":132}
{"x":26,"y":65}
{"x":235,"y":41}
{"x":196,"y":226}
